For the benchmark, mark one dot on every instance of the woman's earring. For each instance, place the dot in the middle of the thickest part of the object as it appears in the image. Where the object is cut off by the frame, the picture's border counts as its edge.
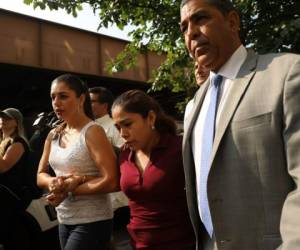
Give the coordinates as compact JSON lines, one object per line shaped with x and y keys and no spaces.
{"x":153,"y":127}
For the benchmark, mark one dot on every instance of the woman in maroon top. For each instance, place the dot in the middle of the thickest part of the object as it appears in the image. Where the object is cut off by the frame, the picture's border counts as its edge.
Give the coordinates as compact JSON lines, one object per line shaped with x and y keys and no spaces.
{"x":152,"y":174}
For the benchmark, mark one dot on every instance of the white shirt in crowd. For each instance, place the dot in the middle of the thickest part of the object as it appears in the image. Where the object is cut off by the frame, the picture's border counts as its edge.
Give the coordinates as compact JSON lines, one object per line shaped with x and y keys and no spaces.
{"x":111,"y":131}
{"x":118,"y":199}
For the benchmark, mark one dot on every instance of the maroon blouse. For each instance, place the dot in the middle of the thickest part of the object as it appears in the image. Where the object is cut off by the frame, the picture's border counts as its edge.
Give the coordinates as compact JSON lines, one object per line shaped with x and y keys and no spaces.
{"x":159,"y":215}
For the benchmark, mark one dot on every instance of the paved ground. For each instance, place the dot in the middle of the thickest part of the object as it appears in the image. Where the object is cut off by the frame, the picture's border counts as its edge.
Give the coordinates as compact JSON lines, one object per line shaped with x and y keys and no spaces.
{"x":121,"y":240}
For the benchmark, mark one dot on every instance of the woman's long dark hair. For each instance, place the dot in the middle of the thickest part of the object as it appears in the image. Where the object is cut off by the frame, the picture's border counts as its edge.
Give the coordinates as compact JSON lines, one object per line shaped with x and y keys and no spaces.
{"x":137,"y":101}
{"x":79,"y":87}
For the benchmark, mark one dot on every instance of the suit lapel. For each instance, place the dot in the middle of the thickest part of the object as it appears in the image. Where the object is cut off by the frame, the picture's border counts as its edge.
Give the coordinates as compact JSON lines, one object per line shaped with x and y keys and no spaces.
{"x":240,"y":85}
{"x":199,"y":97}
{"x":188,"y":165}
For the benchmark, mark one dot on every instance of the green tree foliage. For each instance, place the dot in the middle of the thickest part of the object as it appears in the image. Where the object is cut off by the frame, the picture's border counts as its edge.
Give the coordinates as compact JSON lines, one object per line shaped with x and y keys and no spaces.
{"x":267,"y":26}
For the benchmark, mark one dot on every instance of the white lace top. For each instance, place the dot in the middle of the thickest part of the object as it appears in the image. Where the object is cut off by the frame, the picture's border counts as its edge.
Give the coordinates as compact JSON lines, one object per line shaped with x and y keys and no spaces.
{"x":76,"y":160}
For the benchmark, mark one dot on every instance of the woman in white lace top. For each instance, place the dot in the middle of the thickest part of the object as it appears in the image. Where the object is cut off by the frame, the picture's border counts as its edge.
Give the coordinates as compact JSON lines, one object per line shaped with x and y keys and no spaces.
{"x":85,"y":167}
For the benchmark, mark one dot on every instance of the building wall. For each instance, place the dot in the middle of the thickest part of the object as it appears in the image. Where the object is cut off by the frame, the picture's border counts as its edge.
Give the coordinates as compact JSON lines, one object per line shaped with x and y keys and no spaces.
{"x":37,"y":43}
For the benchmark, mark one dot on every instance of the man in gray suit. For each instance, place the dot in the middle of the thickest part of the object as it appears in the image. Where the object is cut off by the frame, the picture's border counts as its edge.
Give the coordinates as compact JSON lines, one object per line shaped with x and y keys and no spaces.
{"x":252,"y":185}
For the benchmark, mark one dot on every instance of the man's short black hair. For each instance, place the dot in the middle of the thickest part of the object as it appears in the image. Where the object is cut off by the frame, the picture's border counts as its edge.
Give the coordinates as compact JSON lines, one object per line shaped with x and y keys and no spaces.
{"x":104,"y":95}
{"x":225,"y":6}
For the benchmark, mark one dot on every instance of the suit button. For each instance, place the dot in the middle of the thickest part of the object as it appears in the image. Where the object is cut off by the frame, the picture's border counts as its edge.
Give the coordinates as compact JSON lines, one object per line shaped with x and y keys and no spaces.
{"x":223,"y":243}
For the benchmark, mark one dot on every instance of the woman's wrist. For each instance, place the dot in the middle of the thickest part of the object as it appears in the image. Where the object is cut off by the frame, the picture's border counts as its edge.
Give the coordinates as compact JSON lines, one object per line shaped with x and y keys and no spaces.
{"x":78,"y":179}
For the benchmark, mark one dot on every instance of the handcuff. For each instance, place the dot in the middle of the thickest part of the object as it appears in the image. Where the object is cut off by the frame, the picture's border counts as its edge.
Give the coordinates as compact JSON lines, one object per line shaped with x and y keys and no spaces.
{"x":71,"y":196}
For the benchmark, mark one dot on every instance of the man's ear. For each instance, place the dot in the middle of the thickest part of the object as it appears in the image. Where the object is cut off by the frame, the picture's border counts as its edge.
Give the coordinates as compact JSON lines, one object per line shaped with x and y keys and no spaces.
{"x":233,"y":19}
{"x":105,"y":105}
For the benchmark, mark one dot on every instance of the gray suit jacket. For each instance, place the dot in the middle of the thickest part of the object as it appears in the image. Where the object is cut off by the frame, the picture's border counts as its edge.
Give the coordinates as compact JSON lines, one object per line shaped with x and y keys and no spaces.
{"x":253,"y":185}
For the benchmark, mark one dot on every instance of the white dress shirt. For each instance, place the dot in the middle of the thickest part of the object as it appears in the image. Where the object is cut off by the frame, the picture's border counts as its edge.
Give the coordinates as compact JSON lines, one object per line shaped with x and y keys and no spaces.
{"x":118,"y":199}
{"x":111,"y":131}
{"x":229,"y":72}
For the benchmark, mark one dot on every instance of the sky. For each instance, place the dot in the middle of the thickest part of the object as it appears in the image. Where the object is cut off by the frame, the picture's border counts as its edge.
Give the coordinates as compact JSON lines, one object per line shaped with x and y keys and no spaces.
{"x":85,"y":20}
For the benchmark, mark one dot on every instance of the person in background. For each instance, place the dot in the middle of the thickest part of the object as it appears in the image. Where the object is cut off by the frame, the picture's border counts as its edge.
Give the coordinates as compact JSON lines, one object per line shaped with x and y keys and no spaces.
{"x":102,"y":99}
{"x":85,"y":166}
{"x":201,"y":74}
{"x":241,"y":137}
{"x":13,"y":154}
{"x":152,"y":174}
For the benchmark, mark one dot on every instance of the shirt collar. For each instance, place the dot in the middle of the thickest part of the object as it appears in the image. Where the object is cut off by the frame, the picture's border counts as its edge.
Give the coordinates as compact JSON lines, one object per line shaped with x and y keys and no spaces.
{"x":103,"y":118}
{"x":163,"y":143}
{"x":231,"y":68}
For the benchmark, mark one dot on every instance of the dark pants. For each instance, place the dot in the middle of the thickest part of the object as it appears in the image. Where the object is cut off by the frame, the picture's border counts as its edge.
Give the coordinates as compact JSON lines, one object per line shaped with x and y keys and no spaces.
{"x":89,"y":236}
